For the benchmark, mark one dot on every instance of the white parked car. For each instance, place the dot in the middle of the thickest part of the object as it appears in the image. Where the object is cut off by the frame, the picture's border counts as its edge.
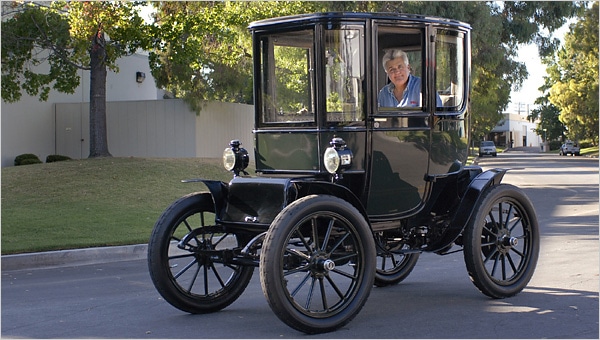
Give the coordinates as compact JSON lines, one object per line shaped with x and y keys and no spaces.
{"x":487,"y":148}
{"x":569,"y":148}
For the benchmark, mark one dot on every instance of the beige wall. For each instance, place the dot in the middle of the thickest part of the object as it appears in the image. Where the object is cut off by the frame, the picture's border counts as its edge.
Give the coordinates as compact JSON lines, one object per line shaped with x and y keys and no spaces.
{"x":156,"y":128}
{"x":222,"y":123}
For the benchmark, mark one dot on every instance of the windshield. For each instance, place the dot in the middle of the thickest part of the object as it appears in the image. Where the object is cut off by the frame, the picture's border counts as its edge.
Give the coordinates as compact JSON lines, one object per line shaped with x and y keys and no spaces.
{"x":487,"y":144}
{"x":344,"y":73}
{"x":449,"y":75}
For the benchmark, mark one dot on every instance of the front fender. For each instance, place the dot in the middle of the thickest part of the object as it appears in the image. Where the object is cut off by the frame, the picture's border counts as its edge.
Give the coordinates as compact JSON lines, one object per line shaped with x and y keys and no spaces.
{"x":256,"y":201}
{"x":217,"y":189}
{"x":306,"y":188}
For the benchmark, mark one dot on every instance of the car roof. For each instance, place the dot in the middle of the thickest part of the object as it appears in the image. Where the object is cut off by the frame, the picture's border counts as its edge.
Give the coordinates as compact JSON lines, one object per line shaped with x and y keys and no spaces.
{"x":326,"y":16}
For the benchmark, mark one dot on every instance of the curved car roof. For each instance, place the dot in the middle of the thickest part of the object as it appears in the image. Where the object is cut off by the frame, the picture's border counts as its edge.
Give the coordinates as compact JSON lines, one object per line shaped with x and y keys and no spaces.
{"x":320,"y":17}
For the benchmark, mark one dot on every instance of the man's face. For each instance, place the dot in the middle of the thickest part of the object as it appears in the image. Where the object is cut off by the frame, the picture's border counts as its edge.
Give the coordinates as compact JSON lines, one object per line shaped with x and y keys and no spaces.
{"x":397,"y":71}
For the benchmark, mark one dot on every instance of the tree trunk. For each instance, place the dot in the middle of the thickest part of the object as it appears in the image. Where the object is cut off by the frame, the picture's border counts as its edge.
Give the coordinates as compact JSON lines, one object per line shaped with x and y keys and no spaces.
{"x":98,"y":71}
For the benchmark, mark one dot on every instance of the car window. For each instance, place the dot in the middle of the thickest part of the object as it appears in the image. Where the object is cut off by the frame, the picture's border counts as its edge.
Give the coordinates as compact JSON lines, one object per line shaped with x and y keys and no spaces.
{"x":287,"y":78}
{"x":344,"y":74}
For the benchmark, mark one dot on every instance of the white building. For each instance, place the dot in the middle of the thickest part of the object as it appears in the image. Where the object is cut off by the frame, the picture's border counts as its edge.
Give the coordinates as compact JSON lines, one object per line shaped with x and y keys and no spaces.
{"x":514,"y":130}
{"x":139,"y":122}
{"x":28,"y":125}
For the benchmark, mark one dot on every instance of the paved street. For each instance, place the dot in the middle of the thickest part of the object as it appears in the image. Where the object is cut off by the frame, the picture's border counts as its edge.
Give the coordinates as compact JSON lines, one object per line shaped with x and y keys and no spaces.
{"x":118,"y":300}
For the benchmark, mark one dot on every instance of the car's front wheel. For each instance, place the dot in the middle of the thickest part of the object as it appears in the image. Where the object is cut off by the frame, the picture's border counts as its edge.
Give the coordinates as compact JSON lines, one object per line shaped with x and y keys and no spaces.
{"x":502,"y":242}
{"x":317,"y":264}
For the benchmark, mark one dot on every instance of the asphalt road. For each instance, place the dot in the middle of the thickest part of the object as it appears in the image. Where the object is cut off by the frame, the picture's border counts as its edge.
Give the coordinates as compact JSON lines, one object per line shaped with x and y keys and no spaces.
{"x":118,"y":300}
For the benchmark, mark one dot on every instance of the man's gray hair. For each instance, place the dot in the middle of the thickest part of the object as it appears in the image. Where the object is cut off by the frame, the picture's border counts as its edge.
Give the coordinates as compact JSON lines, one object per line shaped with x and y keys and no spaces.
{"x":393,"y":54}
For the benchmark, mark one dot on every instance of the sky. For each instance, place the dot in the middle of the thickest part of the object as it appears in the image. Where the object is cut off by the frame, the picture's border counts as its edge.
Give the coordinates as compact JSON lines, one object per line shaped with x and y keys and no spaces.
{"x":529,"y":90}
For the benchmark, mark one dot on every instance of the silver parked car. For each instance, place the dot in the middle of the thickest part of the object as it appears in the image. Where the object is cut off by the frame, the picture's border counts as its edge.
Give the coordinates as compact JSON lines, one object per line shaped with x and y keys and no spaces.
{"x":569,"y":148}
{"x":487,"y":148}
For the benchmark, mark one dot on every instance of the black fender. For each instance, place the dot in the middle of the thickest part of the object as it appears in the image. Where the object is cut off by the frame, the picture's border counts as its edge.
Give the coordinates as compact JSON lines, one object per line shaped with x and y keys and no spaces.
{"x":464,"y":210}
{"x":217,"y":189}
{"x":306,"y":187}
{"x":256,"y":201}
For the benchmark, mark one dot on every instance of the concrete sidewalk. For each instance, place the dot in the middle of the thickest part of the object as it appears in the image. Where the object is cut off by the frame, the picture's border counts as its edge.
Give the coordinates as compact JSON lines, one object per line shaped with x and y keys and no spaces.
{"x":74,"y":257}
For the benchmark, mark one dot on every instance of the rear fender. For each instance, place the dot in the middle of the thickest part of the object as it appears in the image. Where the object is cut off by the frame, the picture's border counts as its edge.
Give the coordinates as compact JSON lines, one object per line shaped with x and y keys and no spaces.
{"x":464,"y":210}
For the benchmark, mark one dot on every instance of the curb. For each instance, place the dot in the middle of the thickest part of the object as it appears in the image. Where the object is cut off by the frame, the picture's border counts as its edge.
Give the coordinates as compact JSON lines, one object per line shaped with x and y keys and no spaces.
{"x":75,"y":257}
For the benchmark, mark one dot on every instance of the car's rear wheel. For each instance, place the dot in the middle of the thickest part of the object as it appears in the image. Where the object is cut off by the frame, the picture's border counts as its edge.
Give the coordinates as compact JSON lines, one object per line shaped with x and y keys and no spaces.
{"x":187,"y":257}
{"x":393,"y":265}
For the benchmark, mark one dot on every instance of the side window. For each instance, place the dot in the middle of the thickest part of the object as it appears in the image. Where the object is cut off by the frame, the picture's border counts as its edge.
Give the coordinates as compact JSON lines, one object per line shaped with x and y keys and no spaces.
{"x":344,"y":74}
{"x":450,"y":73}
{"x":287,"y":80}
{"x":400,"y":68}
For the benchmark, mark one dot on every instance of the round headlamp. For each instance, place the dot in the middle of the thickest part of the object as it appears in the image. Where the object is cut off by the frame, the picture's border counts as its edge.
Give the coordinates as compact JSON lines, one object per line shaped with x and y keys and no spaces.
{"x":235,"y":158}
{"x":337,"y":157}
{"x":331,"y":160}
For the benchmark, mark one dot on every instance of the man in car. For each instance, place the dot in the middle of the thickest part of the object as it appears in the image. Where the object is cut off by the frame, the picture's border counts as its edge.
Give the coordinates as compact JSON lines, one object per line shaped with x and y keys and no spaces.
{"x":404,"y":90}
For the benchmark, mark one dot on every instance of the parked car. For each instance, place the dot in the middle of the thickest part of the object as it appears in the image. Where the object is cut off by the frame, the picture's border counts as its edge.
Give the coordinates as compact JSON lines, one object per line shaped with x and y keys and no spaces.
{"x":487,"y":148}
{"x":569,"y":148}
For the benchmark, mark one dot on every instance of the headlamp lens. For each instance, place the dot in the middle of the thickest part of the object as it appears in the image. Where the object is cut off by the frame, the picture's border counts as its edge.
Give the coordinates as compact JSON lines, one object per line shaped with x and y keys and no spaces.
{"x":228,"y":159}
{"x":331,"y":160}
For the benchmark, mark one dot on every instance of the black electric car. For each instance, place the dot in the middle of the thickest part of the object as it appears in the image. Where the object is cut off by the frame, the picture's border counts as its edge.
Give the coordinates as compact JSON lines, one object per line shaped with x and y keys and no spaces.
{"x":348,"y":191}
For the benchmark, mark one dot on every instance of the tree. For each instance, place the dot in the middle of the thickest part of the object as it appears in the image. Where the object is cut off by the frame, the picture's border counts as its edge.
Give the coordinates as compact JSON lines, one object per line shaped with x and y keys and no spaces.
{"x":203,"y":48}
{"x":573,"y":78}
{"x":208,"y":42}
{"x":549,"y":127}
{"x":68,"y":36}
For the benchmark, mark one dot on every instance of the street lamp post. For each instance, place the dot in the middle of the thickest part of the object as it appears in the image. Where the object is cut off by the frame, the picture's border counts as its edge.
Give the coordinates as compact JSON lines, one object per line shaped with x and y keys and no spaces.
{"x":545,"y":136}
{"x":545,"y":146}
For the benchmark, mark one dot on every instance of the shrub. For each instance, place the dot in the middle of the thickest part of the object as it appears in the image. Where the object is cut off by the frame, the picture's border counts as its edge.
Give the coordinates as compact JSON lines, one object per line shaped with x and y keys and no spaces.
{"x":27,"y":158}
{"x":57,"y":158}
{"x":555,"y":144}
{"x":27,"y":161}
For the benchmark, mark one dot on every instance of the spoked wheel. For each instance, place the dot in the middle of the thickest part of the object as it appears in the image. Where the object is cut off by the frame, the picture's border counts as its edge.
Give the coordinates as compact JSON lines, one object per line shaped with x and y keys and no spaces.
{"x":502,"y":242}
{"x":393,"y":266}
{"x":188,"y":261}
{"x":317,"y":264}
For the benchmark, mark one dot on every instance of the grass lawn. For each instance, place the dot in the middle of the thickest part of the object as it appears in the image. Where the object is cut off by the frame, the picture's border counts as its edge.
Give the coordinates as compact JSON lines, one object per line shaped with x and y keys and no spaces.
{"x":97,"y":202}
{"x":590,"y":152}
{"x":93,"y":202}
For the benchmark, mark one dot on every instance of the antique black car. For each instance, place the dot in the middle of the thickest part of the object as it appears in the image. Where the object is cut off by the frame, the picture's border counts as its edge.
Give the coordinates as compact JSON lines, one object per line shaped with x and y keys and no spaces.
{"x":348,"y":190}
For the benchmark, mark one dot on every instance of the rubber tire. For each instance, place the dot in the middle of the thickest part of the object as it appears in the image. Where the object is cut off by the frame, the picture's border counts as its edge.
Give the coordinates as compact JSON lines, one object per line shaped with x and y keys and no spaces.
{"x":275,"y":284}
{"x":396,"y":275}
{"x":510,"y":197}
{"x":159,"y":266}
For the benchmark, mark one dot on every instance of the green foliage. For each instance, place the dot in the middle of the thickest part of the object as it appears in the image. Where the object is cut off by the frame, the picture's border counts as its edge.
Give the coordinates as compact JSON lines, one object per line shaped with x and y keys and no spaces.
{"x":31,"y":36}
{"x":27,"y":158}
{"x":203,"y":49}
{"x":573,"y":78}
{"x":555,"y":144}
{"x":57,"y":158}
{"x":29,"y":161}
{"x":548,"y":116}
{"x":204,"y":52}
